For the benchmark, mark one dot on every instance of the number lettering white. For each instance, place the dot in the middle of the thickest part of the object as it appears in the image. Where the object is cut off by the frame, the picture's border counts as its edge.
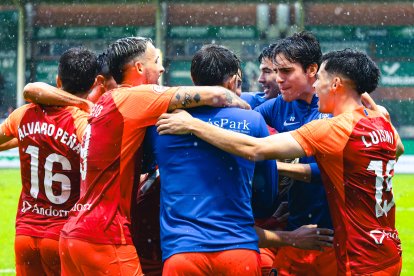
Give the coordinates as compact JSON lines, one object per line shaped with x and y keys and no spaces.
{"x":382,"y":177}
{"x":84,"y":151}
{"x":49,"y":176}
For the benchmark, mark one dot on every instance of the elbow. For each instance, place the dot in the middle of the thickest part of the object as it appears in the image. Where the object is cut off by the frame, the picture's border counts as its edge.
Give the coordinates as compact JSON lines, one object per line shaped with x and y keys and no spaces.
{"x":28,"y":91}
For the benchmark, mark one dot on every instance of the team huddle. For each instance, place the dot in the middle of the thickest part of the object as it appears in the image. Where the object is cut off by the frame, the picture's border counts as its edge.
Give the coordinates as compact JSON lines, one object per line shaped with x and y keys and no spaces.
{"x":122,"y":176}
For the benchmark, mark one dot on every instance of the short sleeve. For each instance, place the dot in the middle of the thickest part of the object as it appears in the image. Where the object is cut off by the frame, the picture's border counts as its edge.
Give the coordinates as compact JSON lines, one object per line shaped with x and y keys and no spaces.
{"x":10,"y":126}
{"x":324,"y":136}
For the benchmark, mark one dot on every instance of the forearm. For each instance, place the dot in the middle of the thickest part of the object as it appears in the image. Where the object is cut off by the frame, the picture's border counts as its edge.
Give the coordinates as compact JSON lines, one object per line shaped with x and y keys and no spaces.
{"x":9,"y":144}
{"x":301,"y":172}
{"x":232,"y":142}
{"x":269,"y":238}
{"x":42,"y":93}
{"x":194,"y":96}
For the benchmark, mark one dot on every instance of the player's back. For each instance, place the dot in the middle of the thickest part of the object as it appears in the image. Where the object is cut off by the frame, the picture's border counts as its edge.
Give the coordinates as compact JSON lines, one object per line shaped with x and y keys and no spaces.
{"x":356,"y":152}
{"x":205,"y":192}
{"x":49,"y":157}
{"x":111,"y":163}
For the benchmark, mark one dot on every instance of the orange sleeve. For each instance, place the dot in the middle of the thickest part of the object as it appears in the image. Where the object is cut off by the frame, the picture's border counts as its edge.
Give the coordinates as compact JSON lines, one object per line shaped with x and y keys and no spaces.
{"x":324,"y":136}
{"x":10,"y":126}
{"x":80,"y":119}
{"x":153,"y":99}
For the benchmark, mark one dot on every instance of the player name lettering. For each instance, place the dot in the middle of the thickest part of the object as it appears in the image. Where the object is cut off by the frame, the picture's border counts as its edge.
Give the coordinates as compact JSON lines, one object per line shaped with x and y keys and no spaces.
{"x":44,"y":128}
{"x":378,"y":136}
{"x":244,"y":125}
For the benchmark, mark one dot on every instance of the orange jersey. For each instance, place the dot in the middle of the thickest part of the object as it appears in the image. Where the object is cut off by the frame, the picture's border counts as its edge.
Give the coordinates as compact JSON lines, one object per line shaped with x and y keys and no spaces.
{"x":110,"y":162}
{"x":49,"y":150}
{"x":356,"y":152}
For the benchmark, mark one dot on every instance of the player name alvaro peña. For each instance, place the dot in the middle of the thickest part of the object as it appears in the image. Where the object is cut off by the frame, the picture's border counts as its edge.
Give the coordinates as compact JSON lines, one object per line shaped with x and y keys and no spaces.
{"x":44,"y":128}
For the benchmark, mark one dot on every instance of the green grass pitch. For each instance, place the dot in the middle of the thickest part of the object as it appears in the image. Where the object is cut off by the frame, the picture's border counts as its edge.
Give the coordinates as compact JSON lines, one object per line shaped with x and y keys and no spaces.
{"x":10,"y":189}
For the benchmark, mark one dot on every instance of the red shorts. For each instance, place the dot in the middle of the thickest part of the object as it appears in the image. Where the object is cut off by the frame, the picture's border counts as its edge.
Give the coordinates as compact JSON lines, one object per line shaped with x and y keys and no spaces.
{"x":393,"y":270}
{"x":84,"y":258}
{"x":229,"y":262}
{"x":294,"y":261}
{"x":36,"y":256}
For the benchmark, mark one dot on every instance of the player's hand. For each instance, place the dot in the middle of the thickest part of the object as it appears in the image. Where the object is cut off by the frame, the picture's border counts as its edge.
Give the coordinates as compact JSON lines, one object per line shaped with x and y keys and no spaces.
{"x":369,"y":103}
{"x":311,"y":237}
{"x":178,"y":122}
{"x":86,"y":105}
{"x":230,"y":99}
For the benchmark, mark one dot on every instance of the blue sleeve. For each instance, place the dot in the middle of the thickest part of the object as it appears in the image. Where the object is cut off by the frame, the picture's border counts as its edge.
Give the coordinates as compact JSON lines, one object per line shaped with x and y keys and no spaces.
{"x":148,"y":155}
{"x":265,"y":182}
{"x":266,"y":110}
{"x":315,"y":173}
{"x":249,"y":98}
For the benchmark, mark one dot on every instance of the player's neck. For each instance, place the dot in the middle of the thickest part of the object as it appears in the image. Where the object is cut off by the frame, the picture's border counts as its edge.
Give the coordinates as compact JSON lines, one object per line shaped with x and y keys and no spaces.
{"x":349,"y":101}
{"x":132,"y":80}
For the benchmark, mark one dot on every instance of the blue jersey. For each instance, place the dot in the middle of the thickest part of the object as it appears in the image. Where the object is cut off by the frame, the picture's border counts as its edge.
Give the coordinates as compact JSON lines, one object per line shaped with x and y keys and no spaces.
{"x":253,"y":98}
{"x":307,"y":201}
{"x":206,"y":192}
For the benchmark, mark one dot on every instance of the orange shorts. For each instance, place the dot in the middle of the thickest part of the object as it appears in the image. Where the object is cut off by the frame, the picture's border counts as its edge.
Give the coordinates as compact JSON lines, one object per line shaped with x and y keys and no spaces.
{"x":36,"y":256}
{"x":294,"y":261}
{"x":267,"y":257}
{"x":229,"y":262}
{"x":84,"y":258}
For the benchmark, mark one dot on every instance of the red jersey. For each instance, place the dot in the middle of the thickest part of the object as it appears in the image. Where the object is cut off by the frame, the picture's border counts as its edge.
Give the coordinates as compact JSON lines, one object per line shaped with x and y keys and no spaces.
{"x":356,"y":152}
{"x":49,"y":162}
{"x":110,"y":162}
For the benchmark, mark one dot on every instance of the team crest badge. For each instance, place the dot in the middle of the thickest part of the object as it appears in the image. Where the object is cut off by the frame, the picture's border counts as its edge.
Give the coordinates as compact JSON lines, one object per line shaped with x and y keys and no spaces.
{"x":159,"y":88}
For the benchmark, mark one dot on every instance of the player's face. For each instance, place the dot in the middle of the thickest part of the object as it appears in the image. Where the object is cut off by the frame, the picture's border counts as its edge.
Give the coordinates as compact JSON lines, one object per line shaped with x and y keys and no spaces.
{"x":267,"y":78}
{"x":152,"y":64}
{"x":323,"y":87}
{"x":294,"y":83}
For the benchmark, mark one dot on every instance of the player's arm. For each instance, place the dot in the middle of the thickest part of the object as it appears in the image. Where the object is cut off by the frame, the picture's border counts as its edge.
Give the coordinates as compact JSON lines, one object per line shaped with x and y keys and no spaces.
{"x":305,"y":237}
{"x":193,"y":96}
{"x":301,"y":172}
{"x":43,"y":93}
{"x":5,"y":140}
{"x":9,"y":144}
{"x":278,"y":146}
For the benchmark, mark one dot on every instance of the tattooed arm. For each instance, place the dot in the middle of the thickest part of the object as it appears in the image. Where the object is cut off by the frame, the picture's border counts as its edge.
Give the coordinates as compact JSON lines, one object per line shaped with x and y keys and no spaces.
{"x":193,"y":96}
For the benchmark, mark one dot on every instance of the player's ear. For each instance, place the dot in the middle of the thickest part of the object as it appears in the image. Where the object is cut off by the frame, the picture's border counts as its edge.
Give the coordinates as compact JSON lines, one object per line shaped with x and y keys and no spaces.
{"x":231,"y":83}
{"x":58,"y":82}
{"x":99,"y":80}
{"x":312,"y":69}
{"x":139,"y":67}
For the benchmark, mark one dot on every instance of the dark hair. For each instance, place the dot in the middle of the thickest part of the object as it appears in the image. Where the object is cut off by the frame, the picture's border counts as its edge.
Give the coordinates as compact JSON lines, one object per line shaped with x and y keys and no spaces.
{"x":354,"y":65}
{"x":267,"y":52}
{"x":123,"y":51}
{"x":103,"y":64}
{"x":301,"y":47}
{"x":213,"y":64}
{"x":77,"y":70}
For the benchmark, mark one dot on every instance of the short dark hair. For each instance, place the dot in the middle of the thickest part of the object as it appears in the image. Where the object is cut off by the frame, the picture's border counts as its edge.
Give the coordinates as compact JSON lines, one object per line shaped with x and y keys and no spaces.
{"x":213,"y":64}
{"x":267,"y":52}
{"x":354,"y":65}
{"x":123,"y":51}
{"x":103,"y":64}
{"x":301,"y":47}
{"x":77,"y":70}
